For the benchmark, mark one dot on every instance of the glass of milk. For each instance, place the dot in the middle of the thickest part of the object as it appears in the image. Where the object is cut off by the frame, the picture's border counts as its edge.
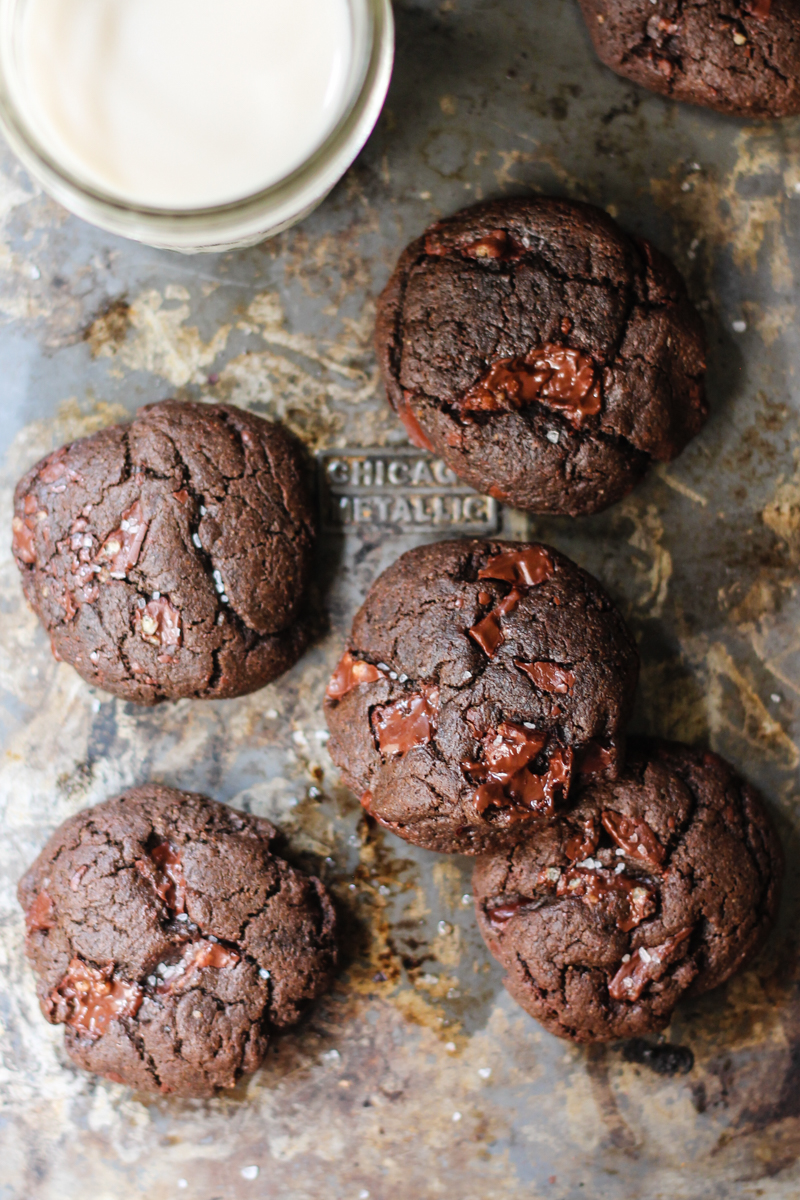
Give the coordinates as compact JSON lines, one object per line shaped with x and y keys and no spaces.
{"x":192,"y":124}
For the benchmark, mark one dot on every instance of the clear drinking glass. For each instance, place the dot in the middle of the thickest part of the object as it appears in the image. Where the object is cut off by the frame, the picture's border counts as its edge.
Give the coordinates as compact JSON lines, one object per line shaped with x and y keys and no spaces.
{"x":226,"y":226}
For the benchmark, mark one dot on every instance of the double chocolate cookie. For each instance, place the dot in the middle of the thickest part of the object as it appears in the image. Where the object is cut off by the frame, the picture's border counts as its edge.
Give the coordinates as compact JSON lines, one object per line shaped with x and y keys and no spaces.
{"x":542,"y":353}
{"x":481,"y":680}
{"x":168,"y":558}
{"x":656,"y":885}
{"x":170,"y":940}
{"x":737,"y":56}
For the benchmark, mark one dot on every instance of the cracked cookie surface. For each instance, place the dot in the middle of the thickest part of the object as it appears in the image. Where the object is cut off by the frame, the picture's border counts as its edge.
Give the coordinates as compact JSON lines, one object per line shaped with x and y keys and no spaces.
{"x":660,"y":884}
{"x":542,"y":353}
{"x":168,"y":558}
{"x":737,"y":57}
{"x":170,"y":941}
{"x":481,"y":682}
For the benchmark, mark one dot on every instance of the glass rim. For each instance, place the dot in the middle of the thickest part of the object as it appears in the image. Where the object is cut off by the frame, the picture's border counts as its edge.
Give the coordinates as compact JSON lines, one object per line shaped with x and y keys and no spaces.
{"x":379,"y":24}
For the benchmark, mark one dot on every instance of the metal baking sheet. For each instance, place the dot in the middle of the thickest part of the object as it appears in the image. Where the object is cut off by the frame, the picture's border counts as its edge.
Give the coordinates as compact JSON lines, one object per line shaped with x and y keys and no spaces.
{"x":418,"y":1078}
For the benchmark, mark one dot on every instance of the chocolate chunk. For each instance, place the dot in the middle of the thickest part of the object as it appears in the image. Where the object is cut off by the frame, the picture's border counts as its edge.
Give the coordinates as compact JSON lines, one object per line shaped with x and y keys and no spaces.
{"x":498,"y":752}
{"x":635,"y":837}
{"x":644,"y":966}
{"x":546,"y":356}
{"x":550,"y":677}
{"x":506,"y":780}
{"x":406,"y":724}
{"x":553,"y":375}
{"x":605,"y":946}
{"x":171,"y":942}
{"x":523,"y":567}
{"x":197,"y":956}
{"x":121,"y":548}
{"x":88,"y":999}
{"x":169,"y":880}
{"x":633,"y":899}
{"x":350,"y":674}
{"x":23,"y":543}
{"x":41,"y":914}
{"x":583,"y":844}
{"x":158,"y":623}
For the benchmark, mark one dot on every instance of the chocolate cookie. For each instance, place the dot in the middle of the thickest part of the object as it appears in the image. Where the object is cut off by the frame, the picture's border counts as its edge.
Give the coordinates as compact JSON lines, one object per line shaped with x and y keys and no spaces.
{"x":481,"y":679}
{"x":737,"y":56}
{"x":167,"y":558}
{"x":660,"y":884}
{"x":542,"y":353}
{"x":170,"y":940}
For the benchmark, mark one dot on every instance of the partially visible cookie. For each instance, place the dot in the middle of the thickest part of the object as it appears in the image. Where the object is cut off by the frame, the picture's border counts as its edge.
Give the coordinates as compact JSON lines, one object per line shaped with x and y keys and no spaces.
{"x":170,"y":941}
{"x":737,"y":56}
{"x":657,"y":885}
{"x":482,"y":681}
{"x":168,"y":558}
{"x":546,"y":356}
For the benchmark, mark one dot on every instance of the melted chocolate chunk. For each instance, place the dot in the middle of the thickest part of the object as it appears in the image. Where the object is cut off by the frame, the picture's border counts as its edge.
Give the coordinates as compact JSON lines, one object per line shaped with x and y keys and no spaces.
{"x":635,"y":837}
{"x":645,"y":965}
{"x":498,"y":245}
{"x":55,"y":471}
{"x":553,"y":375}
{"x":523,"y":568}
{"x":487,"y":634}
{"x":23,"y":542}
{"x":598,"y":886}
{"x":500,"y":914}
{"x":504,"y":774}
{"x":349,"y":674}
{"x":583,"y":845}
{"x":121,"y":548}
{"x":168,"y":878}
{"x":41,"y":914}
{"x":196,"y":957}
{"x":760,"y":9}
{"x":158,"y":623}
{"x":406,"y":724}
{"x":89,"y":999}
{"x":548,"y":676}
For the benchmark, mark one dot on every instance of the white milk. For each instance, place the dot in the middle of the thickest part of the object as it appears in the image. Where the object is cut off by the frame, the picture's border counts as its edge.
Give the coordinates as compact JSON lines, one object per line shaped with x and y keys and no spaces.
{"x":183,"y":103}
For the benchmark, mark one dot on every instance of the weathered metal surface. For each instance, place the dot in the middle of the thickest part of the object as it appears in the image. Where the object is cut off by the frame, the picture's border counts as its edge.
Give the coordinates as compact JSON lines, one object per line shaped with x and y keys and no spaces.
{"x":418,"y":1077}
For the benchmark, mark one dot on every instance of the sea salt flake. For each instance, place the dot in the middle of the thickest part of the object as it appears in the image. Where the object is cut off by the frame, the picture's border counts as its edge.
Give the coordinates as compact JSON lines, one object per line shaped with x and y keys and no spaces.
{"x":197,"y":542}
{"x":249,"y":1173}
{"x":552,"y":435}
{"x":626,"y":958}
{"x":643,"y":954}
